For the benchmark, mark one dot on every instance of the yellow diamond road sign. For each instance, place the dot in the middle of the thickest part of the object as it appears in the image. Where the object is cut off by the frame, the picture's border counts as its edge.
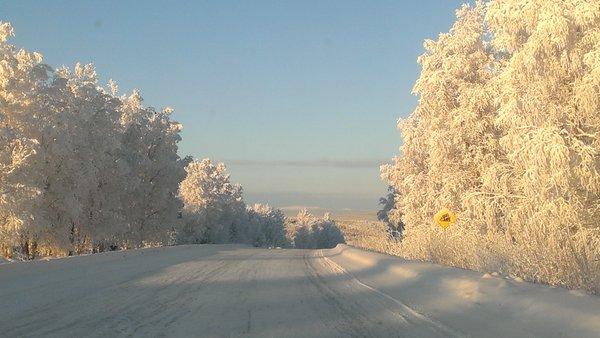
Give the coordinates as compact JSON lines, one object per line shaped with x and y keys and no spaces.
{"x":445,"y":217}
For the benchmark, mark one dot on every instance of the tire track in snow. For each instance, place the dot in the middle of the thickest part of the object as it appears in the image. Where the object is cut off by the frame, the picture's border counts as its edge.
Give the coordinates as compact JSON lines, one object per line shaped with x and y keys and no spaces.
{"x":353,"y":319}
{"x":408,"y":316}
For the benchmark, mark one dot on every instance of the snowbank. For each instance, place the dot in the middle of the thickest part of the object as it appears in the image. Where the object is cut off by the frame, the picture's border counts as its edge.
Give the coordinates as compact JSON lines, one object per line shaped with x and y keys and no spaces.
{"x":481,"y":304}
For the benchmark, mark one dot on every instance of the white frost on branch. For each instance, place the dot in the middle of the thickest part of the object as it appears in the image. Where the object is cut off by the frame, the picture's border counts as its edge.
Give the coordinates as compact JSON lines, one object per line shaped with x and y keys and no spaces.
{"x":506,"y":134}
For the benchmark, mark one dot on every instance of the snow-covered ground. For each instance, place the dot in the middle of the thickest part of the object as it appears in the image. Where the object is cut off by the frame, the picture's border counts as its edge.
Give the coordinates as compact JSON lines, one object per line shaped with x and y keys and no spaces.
{"x":475,"y":304}
{"x":234,"y":290}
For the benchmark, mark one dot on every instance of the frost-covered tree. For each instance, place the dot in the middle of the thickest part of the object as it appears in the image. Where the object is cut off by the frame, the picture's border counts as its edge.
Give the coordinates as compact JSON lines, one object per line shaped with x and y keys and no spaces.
{"x":547,"y":180}
{"x":80,"y":205}
{"x":266,"y":226}
{"x":16,"y":225}
{"x":81,"y":170}
{"x":85,"y":170}
{"x":21,"y":76}
{"x":313,"y":233}
{"x":303,"y":223}
{"x":150,"y":151}
{"x":447,"y":139}
{"x":389,"y":215}
{"x":326,"y":233}
{"x":506,"y":135}
{"x":214,"y":210}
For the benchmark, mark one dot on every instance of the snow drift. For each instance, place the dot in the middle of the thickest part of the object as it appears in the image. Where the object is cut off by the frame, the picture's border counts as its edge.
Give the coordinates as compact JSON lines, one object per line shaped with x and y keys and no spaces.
{"x":507,"y":135}
{"x":480,"y":305}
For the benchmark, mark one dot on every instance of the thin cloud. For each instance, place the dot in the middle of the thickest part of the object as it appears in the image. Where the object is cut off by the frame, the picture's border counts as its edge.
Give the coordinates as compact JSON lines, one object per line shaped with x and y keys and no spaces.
{"x":299,"y":207}
{"x":368,"y":163}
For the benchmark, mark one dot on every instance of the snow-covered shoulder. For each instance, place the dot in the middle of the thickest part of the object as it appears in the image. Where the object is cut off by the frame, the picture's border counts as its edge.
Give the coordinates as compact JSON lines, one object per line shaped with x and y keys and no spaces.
{"x":482,"y":305}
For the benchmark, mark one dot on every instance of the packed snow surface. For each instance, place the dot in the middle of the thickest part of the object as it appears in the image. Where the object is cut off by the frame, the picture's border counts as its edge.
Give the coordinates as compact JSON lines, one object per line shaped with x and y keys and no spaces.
{"x":234,"y":290}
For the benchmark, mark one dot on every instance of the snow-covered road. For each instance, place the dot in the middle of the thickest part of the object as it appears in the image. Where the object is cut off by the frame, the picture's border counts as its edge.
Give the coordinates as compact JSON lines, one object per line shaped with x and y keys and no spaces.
{"x":232,"y":290}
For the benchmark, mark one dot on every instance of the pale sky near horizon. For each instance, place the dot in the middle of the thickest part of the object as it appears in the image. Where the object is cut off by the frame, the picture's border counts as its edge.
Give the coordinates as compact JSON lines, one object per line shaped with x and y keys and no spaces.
{"x":299,"y":98}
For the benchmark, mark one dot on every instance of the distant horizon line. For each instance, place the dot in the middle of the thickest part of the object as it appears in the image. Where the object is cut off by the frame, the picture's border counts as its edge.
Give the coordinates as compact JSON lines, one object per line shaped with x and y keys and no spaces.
{"x":323,"y":162}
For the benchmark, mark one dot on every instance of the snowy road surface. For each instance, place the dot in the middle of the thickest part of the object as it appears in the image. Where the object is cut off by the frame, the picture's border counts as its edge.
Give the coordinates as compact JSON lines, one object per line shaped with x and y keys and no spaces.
{"x":238,"y":291}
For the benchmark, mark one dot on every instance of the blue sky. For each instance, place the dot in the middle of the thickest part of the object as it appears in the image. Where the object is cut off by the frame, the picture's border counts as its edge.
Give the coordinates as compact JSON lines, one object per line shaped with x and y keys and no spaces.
{"x":300,"y":98}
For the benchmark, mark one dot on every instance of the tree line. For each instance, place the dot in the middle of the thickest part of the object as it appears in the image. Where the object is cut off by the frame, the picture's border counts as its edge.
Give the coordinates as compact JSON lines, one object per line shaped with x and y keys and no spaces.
{"x":506,"y":134}
{"x":85,"y":169}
